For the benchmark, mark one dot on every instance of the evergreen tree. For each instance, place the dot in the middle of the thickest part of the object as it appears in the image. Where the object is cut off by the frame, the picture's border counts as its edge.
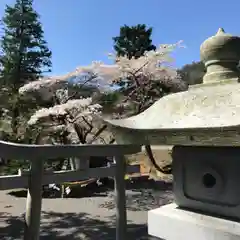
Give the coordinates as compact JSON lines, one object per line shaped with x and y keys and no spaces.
{"x":193,"y":73}
{"x":133,"y":41}
{"x":24,"y":55}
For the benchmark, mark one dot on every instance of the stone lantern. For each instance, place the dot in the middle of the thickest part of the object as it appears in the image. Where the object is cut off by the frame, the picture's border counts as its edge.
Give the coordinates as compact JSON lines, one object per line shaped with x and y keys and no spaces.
{"x":203,"y":125}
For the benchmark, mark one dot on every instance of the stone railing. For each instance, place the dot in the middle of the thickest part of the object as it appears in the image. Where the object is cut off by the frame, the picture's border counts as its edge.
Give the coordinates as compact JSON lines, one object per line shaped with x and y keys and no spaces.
{"x":36,"y":177}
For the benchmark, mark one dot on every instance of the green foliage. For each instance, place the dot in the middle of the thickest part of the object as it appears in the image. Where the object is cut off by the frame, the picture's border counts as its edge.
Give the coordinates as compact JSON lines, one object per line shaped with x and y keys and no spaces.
{"x":12,"y":167}
{"x":138,"y":92}
{"x":133,"y":41}
{"x":193,"y":73}
{"x":141,"y":91}
{"x":24,"y":51}
{"x":24,"y":58}
{"x":109,"y":98}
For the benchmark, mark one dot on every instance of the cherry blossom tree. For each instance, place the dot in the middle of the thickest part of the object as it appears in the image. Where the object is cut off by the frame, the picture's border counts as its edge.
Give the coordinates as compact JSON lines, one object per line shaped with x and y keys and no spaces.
{"x":145,"y":79}
{"x":71,"y":119}
{"x":78,"y":120}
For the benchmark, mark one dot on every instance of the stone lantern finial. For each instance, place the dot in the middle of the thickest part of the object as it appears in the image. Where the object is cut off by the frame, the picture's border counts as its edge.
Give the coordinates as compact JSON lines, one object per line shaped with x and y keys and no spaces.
{"x":221,"y":55}
{"x":220,"y":31}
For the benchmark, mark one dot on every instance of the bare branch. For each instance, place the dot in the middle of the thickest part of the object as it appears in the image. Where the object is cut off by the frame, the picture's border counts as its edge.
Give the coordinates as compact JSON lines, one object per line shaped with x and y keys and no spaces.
{"x":81,"y":86}
{"x":88,"y":130}
{"x":98,"y":133}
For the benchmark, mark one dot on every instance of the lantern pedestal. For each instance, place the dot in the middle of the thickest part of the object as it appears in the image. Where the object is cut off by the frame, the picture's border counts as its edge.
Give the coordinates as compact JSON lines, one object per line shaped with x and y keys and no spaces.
{"x":172,"y":223}
{"x":206,"y":179}
{"x":206,"y":183}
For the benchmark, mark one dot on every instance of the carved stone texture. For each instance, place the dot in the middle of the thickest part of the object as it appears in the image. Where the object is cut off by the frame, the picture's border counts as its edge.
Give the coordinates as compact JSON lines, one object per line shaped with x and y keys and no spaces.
{"x":205,"y":114}
{"x":221,"y":54}
{"x":206,"y":179}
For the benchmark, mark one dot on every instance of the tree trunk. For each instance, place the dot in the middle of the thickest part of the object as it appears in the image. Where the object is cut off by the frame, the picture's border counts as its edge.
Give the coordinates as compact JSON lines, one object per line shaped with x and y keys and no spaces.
{"x":14,"y":121}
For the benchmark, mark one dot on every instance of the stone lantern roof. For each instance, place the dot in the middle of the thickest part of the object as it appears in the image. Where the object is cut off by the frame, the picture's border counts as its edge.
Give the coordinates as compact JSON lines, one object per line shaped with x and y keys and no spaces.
{"x":205,"y":114}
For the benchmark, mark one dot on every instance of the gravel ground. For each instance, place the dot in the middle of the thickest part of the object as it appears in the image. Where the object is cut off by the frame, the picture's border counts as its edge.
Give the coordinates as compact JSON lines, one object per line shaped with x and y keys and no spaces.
{"x":86,"y":218}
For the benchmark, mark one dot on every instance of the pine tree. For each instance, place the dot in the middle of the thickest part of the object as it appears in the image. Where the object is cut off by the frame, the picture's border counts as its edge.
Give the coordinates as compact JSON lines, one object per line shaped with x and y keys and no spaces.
{"x":25,"y":56}
{"x":133,"y":41}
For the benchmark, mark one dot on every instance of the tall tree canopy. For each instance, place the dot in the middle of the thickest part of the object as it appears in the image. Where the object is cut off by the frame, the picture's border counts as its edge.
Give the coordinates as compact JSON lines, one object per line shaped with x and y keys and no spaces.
{"x":24,"y":54}
{"x":146,"y":77}
{"x":193,"y":73}
{"x":133,"y":41}
{"x":133,"y":46}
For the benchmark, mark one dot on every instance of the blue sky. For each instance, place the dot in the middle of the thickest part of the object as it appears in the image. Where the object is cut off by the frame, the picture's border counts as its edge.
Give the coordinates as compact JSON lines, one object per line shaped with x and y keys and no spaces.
{"x":80,"y":31}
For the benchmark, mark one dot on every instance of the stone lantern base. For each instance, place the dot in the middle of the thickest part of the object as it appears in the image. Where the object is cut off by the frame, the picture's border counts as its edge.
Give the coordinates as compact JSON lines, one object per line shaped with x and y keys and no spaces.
{"x":206,"y":182}
{"x":206,"y":179}
{"x":172,"y":223}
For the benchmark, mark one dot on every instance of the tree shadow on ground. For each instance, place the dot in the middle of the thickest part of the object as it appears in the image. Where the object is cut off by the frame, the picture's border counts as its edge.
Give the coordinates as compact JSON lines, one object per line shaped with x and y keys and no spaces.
{"x":67,"y":226}
{"x":93,"y":189}
{"x":78,"y":191}
{"x":145,"y":183}
{"x":81,"y":192}
{"x":142,"y":194}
